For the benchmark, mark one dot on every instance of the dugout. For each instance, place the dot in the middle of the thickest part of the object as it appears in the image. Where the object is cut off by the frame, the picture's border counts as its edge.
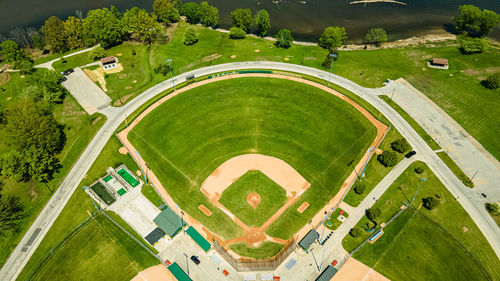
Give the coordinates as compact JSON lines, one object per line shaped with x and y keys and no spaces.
{"x":169,"y":222}
{"x":154,"y":236}
{"x":196,"y":236}
{"x":178,"y":273}
{"x":327,"y":274}
{"x":309,"y":239}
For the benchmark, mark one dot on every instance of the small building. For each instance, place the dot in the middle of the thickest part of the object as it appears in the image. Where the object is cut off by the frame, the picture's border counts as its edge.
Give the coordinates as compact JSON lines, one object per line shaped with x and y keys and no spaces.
{"x":309,"y":239}
{"x":327,"y":274}
{"x":439,"y":63}
{"x":109,"y":63}
{"x":169,"y":222}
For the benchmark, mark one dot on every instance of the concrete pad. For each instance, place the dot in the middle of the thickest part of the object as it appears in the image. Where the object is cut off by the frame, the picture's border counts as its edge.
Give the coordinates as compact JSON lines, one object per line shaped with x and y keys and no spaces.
{"x":86,"y":92}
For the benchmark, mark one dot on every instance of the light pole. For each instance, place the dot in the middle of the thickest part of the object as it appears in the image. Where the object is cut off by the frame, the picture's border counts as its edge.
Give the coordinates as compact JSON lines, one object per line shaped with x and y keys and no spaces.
{"x":421,"y":182}
{"x":322,"y":258}
{"x":187,"y":263}
{"x":171,"y":75}
{"x":333,"y":56}
{"x":87,"y":191}
{"x":323,"y":222}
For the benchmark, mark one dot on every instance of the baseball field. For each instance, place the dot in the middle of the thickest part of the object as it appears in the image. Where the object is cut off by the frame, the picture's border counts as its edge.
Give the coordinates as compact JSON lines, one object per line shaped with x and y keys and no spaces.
{"x":300,"y":137}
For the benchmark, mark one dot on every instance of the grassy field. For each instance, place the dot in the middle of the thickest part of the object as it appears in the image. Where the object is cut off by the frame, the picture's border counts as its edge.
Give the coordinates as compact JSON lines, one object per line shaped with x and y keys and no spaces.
{"x":332,"y":222}
{"x":266,"y":250}
{"x":374,"y":171}
{"x":444,"y":238}
{"x":272,"y":197}
{"x":109,"y":254}
{"x":287,"y":120}
{"x":149,"y":192}
{"x":453,"y":166}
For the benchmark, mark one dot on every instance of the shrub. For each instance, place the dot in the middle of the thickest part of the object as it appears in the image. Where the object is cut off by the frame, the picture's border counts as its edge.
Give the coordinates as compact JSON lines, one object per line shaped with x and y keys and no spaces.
{"x":376,"y":36}
{"x":355,"y":232}
{"x":237,"y":33}
{"x":492,"y":82}
{"x":284,"y":39}
{"x":190,"y":36}
{"x":97,"y":53}
{"x":388,"y":158}
{"x":327,"y":63}
{"x":162,"y":69}
{"x":133,"y":52}
{"x":430,"y":202}
{"x":359,"y":188}
{"x":400,"y":145}
{"x":466,"y":181}
{"x":469,"y":45}
{"x":373,"y":213}
{"x":492,"y":208}
{"x":419,"y":170}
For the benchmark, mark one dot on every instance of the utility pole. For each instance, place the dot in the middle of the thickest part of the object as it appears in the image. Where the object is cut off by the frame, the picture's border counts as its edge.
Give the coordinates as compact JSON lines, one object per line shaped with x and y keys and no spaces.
{"x":171,"y":75}
{"x":333,"y":56}
{"x":354,"y":168}
{"x":392,"y":95}
{"x":421,"y":182}
{"x":140,"y":166}
{"x":323,"y":223}
{"x":322,"y":258}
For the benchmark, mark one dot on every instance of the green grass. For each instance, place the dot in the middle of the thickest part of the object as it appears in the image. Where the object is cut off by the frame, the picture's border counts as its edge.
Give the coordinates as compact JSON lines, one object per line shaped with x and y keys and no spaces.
{"x":312,"y":131}
{"x":72,"y":62}
{"x":150,"y":193}
{"x":333,"y":219}
{"x":423,"y":134}
{"x":374,"y":171}
{"x":108,"y":254}
{"x":422,"y":246}
{"x":272,"y":197}
{"x":454,"y":167}
{"x":266,"y":250}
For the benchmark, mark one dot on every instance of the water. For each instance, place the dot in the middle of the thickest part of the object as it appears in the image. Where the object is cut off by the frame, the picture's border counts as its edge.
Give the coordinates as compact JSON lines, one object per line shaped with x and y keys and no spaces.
{"x":306,"y":19}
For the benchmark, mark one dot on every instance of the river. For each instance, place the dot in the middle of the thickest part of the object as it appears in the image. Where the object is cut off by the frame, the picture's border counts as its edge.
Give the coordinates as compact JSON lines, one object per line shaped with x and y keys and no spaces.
{"x":306,"y":18}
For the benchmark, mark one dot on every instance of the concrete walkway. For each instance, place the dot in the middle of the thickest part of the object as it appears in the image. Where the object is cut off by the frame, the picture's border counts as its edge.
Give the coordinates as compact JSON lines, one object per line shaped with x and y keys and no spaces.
{"x":48,"y":64}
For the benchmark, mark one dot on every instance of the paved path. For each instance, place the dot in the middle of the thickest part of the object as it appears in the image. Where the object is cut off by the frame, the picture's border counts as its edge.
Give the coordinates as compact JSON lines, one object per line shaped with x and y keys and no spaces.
{"x":468,"y":198}
{"x":468,"y":153}
{"x":48,"y":64}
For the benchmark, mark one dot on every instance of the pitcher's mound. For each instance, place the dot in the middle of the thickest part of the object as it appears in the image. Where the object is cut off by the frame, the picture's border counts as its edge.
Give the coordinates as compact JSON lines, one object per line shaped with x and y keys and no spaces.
{"x":253,"y":199}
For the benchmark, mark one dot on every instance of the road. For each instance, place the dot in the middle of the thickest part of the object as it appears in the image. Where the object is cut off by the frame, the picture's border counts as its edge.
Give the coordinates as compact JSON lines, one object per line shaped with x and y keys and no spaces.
{"x":115,"y":116}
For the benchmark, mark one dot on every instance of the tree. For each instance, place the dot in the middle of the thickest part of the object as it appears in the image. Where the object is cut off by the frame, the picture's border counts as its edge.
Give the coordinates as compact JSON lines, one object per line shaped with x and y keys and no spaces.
{"x":25,"y":66}
{"x":242,"y":18}
{"x":400,"y":145}
{"x":263,"y":22}
{"x":373,"y":213}
{"x":492,"y":82}
{"x":142,"y":25}
{"x":97,"y":53}
{"x":419,"y":170}
{"x":327,"y":63}
{"x":355,"y":232}
{"x":73,"y":32}
{"x":103,"y":26}
{"x":376,"y":36}
{"x":192,"y":12}
{"x":387,"y":158}
{"x":467,"y":18}
{"x":332,"y":37}
{"x":468,"y":45}
{"x":492,"y":208}
{"x":165,"y":11}
{"x":10,"y":51}
{"x":488,"y":21}
{"x":190,"y":35}
{"x":237,"y":33}
{"x":11,"y":212}
{"x":430,"y":202}
{"x":45,"y":86}
{"x":54,"y":34}
{"x":359,"y":188}
{"x":284,"y":39}
{"x":178,"y":5}
{"x":162,"y":69}
{"x":209,"y":15}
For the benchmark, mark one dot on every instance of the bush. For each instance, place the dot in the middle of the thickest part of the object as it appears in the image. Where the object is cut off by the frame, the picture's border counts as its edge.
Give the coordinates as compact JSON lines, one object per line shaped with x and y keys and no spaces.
{"x":355,"y":232}
{"x":97,"y":53}
{"x":466,"y":181}
{"x":492,"y":82}
{"x":419,"y":170}
{"x":190,"y":36}
{"x":470,"y":45}
{"x":387,"y":158}
{"x":492,"y":208}
{"x":430,"y":202}
{"x":237,"y":33}
{"x":373,"y":213}
{"x":25,"y":66}
{"x":400,"y":145}
{"x":284,"y":39}
{"x":162,"y":69}
{"x":327,"y":63}
{"x":359,"y":188}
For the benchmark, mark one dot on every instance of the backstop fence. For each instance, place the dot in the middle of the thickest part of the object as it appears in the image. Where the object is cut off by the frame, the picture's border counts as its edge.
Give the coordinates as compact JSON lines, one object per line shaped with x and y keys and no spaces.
{"x":249,"y":264}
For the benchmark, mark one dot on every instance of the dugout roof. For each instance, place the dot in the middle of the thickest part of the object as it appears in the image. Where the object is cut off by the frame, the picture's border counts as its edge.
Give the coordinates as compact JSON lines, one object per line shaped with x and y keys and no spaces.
{"x":178,"y":272}
{"x":154,"y":236}
{"x":196,"y":236}
{"x":169,"y":222}
{"x":327,"y":274}
{"x":307,"y":241}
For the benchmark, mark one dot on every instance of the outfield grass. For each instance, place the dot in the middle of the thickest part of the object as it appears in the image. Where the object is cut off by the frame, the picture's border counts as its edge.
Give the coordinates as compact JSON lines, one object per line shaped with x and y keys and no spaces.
{"x":422,"y":246}
{"x":453,"y":167}
{"x":272,"y":197}
{"x":108,"y":254}
{"x":316,"y":133}
{"x":374,"y":171}
{"x":266,"y":250}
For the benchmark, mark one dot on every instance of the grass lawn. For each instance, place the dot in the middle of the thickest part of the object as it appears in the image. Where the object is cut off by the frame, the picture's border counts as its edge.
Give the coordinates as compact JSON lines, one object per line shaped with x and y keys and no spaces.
{"x":266,"y":250}
{"x":453,"y":167}
{"x":108,"y":254}
{"x":272,"y":197}
{"x":423,"y":246}
{"x":423,"y":134}
{"x":77,"y":208}
{"x":312,"y":131}
{"x":332,"y":222}
{"x":150,"y":193}
{"x":374,"y":171}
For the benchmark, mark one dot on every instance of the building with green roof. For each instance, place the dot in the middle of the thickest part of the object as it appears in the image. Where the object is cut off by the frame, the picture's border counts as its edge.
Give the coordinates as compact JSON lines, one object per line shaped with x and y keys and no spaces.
{"x":169,"y":222}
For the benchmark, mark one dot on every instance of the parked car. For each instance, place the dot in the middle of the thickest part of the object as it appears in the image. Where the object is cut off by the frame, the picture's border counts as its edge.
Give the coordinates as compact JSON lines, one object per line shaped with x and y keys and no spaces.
{"x":62,"y":79}
{"x":410,"y":154}
{"x":195,"y":259}
{"x":484,"y":195}
{"x":68,"y":71}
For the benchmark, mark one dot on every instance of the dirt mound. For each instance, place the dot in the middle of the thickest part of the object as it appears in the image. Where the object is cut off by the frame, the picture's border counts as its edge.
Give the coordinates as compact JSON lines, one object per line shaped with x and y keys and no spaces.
{"x":253,"y":199}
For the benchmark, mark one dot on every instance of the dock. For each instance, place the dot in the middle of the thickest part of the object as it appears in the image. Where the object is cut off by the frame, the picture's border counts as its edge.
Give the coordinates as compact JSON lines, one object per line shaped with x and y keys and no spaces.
{"x":376,"y":1}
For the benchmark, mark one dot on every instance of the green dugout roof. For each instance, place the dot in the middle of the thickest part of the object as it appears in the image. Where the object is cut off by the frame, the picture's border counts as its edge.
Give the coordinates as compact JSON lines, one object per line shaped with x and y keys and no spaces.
{"x":178,"y":272}
{"x":169,"y":222}
{"x":196,"y":236}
